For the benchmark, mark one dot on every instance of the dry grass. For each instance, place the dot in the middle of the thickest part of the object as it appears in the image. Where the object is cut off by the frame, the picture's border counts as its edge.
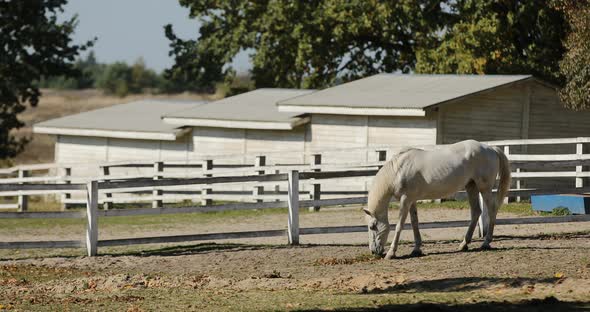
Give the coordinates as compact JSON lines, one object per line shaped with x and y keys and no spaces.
{"x":58,"y":103}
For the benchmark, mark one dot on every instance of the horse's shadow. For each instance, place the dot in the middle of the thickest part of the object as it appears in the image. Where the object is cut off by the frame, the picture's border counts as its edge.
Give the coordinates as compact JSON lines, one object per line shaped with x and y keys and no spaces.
{"x":481,"y":250}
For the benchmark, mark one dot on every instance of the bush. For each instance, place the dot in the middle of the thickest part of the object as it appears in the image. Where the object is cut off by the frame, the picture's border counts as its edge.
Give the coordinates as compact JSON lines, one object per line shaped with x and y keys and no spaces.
{"x":120,"y":79}
{"x":561,"y":211}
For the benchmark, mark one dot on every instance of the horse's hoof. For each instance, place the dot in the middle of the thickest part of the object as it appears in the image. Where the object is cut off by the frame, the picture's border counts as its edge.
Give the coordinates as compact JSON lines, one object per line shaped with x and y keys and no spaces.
{"x":389,"y":256}
{"x":463,"y":247}
{"x":416,"y":253}
{"x":486,"y":247}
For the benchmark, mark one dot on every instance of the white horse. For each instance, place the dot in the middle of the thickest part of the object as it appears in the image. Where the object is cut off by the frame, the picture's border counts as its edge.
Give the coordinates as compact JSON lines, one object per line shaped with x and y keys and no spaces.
{"x":416,"y":174}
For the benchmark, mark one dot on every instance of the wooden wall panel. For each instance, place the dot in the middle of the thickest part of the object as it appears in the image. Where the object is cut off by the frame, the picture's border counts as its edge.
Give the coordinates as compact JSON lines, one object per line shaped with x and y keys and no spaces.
{"x":489,"y":116}
{"x":399,"y":132}
{"x":550,"y":119}
{"x":219,"y":141}
{"x":79,"y":150}
{"x":279,"y":146}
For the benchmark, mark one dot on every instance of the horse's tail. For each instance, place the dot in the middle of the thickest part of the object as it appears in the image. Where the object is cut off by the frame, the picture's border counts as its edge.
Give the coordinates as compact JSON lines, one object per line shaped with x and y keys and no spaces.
{"x":505,"y":177}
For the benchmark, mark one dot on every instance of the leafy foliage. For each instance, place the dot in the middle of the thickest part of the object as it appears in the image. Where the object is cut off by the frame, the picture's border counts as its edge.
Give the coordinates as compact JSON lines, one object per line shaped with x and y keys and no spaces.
{"x":575,"y":66}
{"x":304,"y":43}
{"x":317,"y":43}
{"x":117,"y":78}
{"x":33,"y":44}
{"x":89,"y":68}
{"x":120,"y":79}
{"x":499,"y":37}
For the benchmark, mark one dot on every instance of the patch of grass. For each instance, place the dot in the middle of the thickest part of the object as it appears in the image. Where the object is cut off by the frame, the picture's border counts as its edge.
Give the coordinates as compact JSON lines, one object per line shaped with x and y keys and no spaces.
{"x":557,"y":211}
{"x":522,"y":208}
{"x":8,"y":225}
{"x":144,"y":220}
{"x":36,"y":204}
{"x":188,"y":218}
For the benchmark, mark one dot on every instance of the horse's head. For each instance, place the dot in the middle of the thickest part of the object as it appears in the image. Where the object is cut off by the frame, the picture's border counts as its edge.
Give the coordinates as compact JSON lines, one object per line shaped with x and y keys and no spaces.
{"x":378,"y":232}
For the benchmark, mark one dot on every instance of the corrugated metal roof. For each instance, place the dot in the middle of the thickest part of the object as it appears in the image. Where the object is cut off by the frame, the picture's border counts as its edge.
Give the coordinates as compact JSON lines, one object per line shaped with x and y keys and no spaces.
{"x":254,"y":106}
{"x":139,"y":116}
{"x":402,"y":91}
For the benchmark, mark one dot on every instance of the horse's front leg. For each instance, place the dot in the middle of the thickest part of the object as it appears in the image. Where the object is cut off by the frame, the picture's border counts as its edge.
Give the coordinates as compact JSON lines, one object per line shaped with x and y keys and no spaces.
{"x":417,"y":237}
{"x":403,"y":214}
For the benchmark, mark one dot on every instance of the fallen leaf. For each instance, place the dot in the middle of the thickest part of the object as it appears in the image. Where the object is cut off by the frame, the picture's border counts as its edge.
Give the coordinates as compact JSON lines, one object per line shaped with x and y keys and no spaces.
{"x":559,"y":275}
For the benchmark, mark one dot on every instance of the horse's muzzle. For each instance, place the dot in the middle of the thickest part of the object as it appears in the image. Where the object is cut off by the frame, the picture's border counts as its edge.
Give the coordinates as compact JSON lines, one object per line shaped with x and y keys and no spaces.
{"x":379,"y":252}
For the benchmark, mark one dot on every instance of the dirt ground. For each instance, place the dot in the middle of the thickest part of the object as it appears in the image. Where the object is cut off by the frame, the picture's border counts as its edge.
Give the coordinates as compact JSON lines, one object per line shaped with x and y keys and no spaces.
{"x":192,"y":223}
{"x":528,"y":270}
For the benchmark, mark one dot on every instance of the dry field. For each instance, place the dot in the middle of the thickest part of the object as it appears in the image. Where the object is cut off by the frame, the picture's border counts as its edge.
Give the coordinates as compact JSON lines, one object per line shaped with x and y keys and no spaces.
{"x":58,"y":103}
{"x":530,"y":269}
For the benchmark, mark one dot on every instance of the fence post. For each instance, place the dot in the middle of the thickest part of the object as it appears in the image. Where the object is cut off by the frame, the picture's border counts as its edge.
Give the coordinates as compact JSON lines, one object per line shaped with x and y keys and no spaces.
{"x":381,"y":156}
{"x":259,"y":190}
{"x":317,"y":187}
{"x":293,"y":224}
{"x":277,"y":188}
{"x":23,"y":200}
{"x":579,"y":153}
{"x":67,"y":174}
{"x":158,"y":174}
{"x":206,"y":190}
{"x":507,"y":153}
{"x":108,"y":202}
{"x":518,"y":185}
{"x":92,"y":217}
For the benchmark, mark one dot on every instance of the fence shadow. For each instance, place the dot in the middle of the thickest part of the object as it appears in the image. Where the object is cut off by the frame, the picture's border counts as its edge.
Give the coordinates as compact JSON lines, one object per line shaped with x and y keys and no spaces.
{"x":194,"y":249}
{"x":541,"y":305}
{"x":204,"y":248}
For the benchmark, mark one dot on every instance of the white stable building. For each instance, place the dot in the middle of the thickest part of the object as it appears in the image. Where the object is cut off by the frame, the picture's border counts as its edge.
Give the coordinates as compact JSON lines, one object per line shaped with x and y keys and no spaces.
{"x":288,"y":125}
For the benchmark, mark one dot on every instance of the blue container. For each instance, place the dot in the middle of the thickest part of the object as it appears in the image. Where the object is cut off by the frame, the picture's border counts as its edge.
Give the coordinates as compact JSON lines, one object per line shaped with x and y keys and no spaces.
{"x":577,"y":204}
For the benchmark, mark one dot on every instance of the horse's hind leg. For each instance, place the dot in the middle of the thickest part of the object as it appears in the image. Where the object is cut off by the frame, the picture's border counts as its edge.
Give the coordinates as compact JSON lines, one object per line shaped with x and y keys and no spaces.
{"x":473,"y":194}
{"x":490,"y":202}
{"x":403,"y":214}
{"x":417,"y":237}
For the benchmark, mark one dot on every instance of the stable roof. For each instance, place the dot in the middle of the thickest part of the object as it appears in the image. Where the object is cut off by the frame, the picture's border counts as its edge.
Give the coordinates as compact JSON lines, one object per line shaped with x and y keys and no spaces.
{"x":251,"y":110}
{"x":395,"y":94}
{"x":135,"y":120}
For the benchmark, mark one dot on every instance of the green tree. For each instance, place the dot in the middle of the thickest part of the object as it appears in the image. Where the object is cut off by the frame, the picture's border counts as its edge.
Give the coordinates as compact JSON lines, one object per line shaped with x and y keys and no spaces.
{"x":121,"y":79}
{"x":116,"y":79}
{"x":90,"y":70}
{"x":499,"y":37}
{"x":303,"y":43}
{"x":33,"y":44}
{"x":142,"y":78}
{"x":575,"y":66}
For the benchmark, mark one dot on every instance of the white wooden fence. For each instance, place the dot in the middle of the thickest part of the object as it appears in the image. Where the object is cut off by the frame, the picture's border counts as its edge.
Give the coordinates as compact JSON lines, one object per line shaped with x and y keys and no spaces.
{"x":293,"y":203}
{"x":294,"y":199}
{"x":526,"y":167}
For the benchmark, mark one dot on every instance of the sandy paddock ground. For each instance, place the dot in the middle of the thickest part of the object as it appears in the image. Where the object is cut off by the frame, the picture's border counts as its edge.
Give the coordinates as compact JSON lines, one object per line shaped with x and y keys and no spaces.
{"x":527,"y":269}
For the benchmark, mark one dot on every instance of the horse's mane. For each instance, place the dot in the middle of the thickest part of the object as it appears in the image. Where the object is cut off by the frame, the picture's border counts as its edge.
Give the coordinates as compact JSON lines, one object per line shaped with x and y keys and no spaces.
{"x":385,"y":179}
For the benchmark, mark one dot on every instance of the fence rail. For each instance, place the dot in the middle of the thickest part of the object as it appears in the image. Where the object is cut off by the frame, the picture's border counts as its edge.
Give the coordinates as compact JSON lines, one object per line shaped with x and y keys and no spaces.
{"x":526,"y":167}
{"x":160,"y":187}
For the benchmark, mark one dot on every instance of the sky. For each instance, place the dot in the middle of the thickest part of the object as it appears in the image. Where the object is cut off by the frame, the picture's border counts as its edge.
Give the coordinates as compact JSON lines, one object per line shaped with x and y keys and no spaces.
{"x":130,"y":29}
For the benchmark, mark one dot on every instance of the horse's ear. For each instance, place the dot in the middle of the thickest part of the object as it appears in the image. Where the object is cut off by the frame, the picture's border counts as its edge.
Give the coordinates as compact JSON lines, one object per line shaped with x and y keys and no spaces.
{"x":367,"y":212}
